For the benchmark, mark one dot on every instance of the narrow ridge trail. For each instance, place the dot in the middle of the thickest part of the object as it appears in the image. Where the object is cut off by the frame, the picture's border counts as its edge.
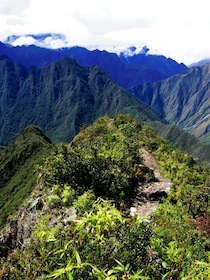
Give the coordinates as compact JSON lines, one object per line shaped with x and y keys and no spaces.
{"x":149,"y":194}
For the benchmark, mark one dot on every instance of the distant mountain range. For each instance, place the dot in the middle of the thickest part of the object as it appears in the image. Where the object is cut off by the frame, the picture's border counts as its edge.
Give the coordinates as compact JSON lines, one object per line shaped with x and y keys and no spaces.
{"x":126,"y":71}
{"x":64,"y":96}
{"x":61,"y":95}
{"x":200,"y":63}
{"x":60,"y":98}
{"x":183,"y":99}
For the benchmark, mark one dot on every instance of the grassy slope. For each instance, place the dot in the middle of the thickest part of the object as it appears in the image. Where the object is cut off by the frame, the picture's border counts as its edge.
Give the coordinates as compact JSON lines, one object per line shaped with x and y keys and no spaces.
{"x":17,"y":164}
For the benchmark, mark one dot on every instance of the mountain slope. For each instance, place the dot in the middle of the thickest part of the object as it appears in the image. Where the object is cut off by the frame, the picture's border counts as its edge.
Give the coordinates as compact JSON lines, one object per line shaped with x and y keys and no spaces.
{"x":64,"y":96}
{"x":68,"y":229}
{"x":125,"y":71}
{"x":184,"y":141}
{"x":60,"y":98}
{"x":200,"y":62}
{"x":165,"y":66}
{"x":183,"y":99}
{"x":17,"y":164}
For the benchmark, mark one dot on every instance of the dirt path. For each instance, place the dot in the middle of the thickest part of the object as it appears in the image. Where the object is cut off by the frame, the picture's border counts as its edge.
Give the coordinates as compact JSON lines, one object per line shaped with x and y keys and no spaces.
{"x":149,"y":194}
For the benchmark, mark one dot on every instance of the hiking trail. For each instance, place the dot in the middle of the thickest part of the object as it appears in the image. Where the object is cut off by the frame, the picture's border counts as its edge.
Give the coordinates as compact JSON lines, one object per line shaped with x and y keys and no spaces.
{"x":149,"y":194}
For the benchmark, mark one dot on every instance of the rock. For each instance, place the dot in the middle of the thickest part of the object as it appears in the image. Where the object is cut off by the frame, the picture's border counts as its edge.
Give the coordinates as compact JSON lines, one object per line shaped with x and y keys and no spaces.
{"x":157,"y":196}
{"x":69,"y":215}
{"x":133,"y":211}
{"x":37,"y":204}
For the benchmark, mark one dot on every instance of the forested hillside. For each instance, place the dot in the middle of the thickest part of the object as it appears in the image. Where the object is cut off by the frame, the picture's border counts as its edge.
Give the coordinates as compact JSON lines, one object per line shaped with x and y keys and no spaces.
{"x":60,"y":99}
{"x":76,"y":223}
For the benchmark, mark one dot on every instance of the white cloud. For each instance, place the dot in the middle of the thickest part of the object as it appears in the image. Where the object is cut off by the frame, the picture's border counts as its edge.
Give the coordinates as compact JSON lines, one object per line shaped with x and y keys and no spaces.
{"x":179,"y":29}
{"x":24,"y":40}
{"x":13,"y":7}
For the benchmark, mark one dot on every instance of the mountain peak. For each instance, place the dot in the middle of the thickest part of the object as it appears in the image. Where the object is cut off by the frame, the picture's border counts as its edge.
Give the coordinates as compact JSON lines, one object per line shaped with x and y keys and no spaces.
{"x":131,"y":51}
{"x":33,"y":131}
{"x":45,"y":40}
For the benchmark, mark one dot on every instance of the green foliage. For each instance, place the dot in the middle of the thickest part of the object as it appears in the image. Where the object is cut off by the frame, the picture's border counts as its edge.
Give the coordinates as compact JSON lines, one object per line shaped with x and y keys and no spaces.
{"x":100,"y":220}
{"x":84,"y":202}
{"x":102,"y":158}
{"x":97,"y":175}
{"x":17,"y":166}
{"x":60,"y":195}
{"x":89,"y":249}
{"x":201,"y":270}
{"x":181,"y":223}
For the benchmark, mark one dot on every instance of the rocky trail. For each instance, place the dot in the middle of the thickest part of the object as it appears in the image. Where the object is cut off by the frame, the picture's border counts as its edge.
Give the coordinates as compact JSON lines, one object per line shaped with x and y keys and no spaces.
{"x":149,"y":194}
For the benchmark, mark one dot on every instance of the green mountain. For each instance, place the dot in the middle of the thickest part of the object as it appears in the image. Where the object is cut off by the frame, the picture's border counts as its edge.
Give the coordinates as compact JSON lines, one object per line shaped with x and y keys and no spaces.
{"x":60,"y":98}
{"x":183,"y":100}
{"x":76,"y":223}
{"x":17,"y":164}
{"x":64,"y":96}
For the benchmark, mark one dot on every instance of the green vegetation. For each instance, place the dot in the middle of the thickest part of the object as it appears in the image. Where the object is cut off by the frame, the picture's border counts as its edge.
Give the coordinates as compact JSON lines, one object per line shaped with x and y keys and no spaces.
{"x":184,"y":141}
{"x":93,"y":179}
{"x":60,"y":98}
{"x":17,"y":165}
{"x":103,"y":158}
{"x":181,"y":223}
{"x":64,"y":96}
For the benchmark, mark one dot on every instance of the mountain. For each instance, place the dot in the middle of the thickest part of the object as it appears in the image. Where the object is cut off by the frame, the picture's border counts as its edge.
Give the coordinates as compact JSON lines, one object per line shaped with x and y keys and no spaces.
{"x":200,"y":63}
{"x":183,"y":100}
{"x":17,"y":164}
{"x":77,"y":222}
{"x":63,"y":97}
{"x":184,"y":141}
{"x":165,"y":66}
{"x":125,"y":71}
{"x":60,"y":98}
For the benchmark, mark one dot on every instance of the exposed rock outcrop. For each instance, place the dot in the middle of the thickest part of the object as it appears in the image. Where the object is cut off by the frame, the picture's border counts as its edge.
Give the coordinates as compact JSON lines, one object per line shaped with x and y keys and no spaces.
{"x":18,"y":232}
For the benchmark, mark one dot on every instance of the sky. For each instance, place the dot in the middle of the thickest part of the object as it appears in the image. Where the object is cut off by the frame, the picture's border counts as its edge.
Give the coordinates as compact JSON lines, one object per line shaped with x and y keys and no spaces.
{"x":179,"y":29}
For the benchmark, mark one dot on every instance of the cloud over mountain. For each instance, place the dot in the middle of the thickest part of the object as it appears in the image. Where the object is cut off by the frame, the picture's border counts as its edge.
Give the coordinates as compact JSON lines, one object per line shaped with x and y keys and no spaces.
{"x":107,"y":24}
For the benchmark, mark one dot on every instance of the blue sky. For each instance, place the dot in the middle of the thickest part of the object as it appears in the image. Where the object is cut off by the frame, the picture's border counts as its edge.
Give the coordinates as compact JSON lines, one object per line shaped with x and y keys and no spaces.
{"x":178,"y":29}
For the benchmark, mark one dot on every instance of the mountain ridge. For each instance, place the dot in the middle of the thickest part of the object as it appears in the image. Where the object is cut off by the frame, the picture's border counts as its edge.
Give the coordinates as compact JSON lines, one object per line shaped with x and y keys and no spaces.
{"x":60,"y":98}
{"x":127,"y":72}
{"x":63,"y":97}
{"x":183,"y":99}
{"x":77,"y":223}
